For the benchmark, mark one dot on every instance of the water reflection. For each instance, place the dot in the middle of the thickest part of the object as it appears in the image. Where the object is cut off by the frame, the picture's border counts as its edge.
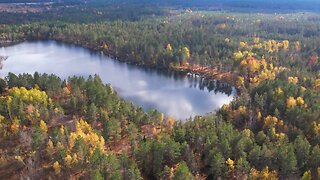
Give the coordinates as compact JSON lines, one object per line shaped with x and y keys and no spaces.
{"x":170,"y":92}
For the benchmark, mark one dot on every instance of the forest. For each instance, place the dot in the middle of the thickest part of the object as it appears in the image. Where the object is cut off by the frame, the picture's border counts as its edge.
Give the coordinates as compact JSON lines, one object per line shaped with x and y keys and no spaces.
{"x":80,"y":128}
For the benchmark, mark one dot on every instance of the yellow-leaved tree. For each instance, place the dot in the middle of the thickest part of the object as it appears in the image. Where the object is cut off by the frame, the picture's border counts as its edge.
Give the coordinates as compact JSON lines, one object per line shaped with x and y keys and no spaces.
{"x":86,"y":132}
{"x":230,"y":164}
{"x":291,"y":102}
{"x":50,"y":147}
{"x":185,"y":53}
{"x":43,"y":126}
{"x":68,"y":161}
{"x":169,"y":48}
{"x":317,"y":84}
{"x":56,"y":167}
{"x":265,"y":174}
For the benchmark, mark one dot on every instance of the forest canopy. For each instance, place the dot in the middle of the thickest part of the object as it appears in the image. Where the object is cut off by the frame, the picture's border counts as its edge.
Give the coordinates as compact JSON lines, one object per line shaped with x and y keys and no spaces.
{"x":80,"y":128}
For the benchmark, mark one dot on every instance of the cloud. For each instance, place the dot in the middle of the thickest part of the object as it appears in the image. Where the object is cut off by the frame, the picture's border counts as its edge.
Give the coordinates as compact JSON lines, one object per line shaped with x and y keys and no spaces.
{"x":142,"y":83}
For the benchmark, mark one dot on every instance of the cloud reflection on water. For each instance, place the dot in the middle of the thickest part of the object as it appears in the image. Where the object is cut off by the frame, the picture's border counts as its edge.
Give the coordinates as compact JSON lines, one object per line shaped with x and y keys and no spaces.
{"x":171,"y":93}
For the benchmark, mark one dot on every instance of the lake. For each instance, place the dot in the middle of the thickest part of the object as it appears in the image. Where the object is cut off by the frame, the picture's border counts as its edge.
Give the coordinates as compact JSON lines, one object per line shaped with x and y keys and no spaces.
{"x":172,"y":93}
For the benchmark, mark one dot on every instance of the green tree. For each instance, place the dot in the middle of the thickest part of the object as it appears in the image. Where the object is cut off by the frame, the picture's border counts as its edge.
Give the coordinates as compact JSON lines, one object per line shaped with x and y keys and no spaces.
{"x":3,"y":85}
{"x":38,"y":138}
{"x":286,"y":159}
{"x":166,"y":172}
{"x":182,"y":172}
{"x":92,"y":112}
{"x":96,"y":175}
{"x":130,"y":169}
{"x":242,"y":166}
{"x":315,"y":158}
{"x":217,"y":165}
{"x":302,"y":151}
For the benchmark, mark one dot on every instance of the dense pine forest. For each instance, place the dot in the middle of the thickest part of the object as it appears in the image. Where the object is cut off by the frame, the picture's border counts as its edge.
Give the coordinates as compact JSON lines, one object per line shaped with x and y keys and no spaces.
{"x":79,"y":128}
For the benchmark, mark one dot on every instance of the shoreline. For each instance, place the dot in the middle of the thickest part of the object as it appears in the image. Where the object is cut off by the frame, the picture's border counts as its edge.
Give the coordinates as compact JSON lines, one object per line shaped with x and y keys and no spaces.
{"x":210,"y":73}
{"x":10,"y":43}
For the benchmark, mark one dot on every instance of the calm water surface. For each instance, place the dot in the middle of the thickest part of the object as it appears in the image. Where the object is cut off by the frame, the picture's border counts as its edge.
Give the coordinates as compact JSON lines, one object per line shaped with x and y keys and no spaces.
{"x":174,"y":94}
